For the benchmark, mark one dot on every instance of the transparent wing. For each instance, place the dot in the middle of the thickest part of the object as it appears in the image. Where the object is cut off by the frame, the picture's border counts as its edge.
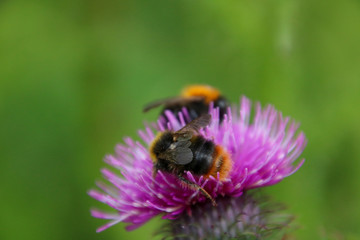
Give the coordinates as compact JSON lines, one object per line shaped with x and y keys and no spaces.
{"x":170,"y":102}
{"x":192,"y":128}
{"x":178,"y":153}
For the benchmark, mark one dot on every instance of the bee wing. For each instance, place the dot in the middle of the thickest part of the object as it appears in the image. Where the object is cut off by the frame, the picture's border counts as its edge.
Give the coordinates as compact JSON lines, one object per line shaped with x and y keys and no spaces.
{"x":170,"y":101}
{"x":180,"y":153}
{"x":192,"y":127}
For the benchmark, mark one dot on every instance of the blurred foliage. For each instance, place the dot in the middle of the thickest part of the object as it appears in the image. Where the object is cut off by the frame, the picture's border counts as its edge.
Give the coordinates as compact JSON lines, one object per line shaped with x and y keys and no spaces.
{"x":74,"y":76}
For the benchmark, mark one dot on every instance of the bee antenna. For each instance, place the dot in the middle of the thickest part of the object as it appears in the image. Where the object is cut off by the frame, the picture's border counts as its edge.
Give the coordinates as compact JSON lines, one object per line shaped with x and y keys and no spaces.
{"x":203,"y":191}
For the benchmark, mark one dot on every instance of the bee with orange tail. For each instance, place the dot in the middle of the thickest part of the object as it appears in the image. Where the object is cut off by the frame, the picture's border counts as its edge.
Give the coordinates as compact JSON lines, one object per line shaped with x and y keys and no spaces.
{"x":186,"y":150}
{"x":196,"y":98}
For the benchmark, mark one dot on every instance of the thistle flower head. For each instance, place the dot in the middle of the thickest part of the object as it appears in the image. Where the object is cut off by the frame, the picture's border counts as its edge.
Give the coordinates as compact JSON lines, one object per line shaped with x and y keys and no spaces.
{"x":263,"y":152}
{"x":251,"y":216}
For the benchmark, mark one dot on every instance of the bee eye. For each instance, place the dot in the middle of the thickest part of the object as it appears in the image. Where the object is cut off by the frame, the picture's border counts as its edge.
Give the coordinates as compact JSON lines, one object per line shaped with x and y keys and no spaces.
{"x":172,"y":146}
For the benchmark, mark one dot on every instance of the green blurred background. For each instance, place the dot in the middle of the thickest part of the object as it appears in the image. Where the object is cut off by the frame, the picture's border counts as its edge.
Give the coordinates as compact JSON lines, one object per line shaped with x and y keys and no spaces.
{"x":74,"y":76}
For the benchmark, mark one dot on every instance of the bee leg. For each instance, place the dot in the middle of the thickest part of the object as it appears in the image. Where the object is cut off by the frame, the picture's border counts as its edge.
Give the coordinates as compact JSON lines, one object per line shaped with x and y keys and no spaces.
{"x":195,"y":186}
{"x":154,"y":173}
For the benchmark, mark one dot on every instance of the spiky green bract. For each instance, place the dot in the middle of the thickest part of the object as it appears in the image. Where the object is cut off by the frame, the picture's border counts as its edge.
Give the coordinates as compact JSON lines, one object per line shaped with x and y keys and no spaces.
{"x":248,"y":217}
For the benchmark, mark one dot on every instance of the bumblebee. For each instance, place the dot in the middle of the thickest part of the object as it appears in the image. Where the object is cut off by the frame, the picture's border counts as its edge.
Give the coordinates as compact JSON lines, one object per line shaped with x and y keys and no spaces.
{"x":196,"y":98}
{"x":186,"y":150}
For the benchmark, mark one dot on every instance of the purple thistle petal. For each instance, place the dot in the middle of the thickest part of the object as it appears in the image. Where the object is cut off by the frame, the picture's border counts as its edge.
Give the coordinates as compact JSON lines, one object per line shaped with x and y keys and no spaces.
{"x":262,"y":152}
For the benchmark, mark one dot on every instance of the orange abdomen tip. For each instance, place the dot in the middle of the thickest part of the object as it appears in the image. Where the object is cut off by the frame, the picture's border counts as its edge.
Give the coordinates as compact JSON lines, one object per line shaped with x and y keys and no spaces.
{"x":222,"y":163}
{"x":209,"y":93}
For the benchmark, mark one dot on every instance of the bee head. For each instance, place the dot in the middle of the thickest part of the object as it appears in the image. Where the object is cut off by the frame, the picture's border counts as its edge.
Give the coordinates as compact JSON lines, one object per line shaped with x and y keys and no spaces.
{"x":160,"y":144}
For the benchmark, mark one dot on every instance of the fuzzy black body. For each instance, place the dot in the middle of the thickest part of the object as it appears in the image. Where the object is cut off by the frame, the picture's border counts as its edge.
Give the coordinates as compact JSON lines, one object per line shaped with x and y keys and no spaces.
{"x":186,"y":150}
{"x":196,"y":108}
{"x":201,"y":148}
{"x":203,"y":151}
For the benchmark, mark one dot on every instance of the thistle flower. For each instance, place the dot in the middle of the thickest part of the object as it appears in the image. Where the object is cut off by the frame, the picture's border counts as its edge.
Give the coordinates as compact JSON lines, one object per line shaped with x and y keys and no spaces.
{"x":263,"y":153}
{"x":251,"y":216}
